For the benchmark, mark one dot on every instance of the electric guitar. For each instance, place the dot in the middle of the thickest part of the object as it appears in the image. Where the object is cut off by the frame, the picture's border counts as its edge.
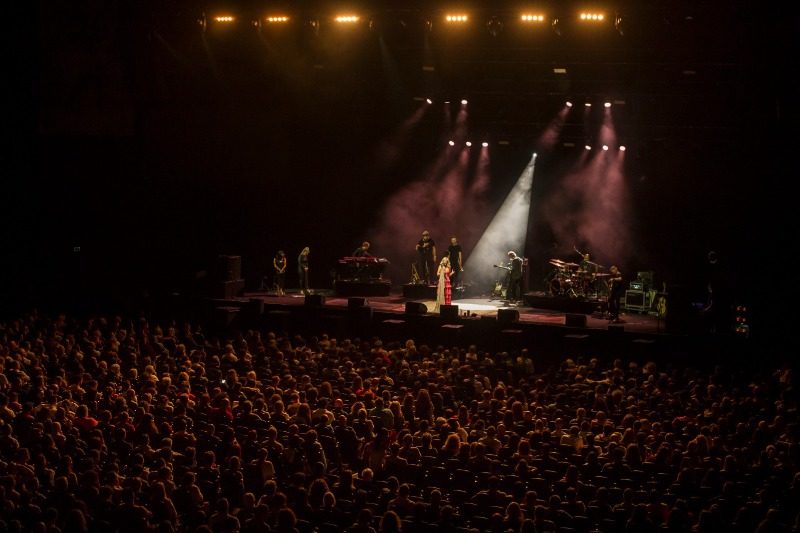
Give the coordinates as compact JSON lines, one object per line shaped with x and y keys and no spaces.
{"x":503,"y":267}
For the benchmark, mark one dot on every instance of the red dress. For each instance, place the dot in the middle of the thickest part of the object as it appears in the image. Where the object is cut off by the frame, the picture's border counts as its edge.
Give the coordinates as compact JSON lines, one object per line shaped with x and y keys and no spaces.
{"x":444,"y":290}
{"x":448,"y":290}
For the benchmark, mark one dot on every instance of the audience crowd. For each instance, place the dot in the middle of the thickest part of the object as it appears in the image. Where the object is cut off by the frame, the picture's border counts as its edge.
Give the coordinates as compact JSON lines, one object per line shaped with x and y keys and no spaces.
{"x":111,"y":424}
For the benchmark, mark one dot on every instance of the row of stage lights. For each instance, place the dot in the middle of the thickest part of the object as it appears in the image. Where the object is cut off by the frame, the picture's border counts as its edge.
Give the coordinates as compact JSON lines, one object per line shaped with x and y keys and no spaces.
{"x":587,"y":147}
{"x":568,"y":103}
{"x":455,"y":19}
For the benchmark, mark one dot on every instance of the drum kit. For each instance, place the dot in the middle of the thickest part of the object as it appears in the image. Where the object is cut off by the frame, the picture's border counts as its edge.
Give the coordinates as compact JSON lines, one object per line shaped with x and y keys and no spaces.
{"x":577,"y":281}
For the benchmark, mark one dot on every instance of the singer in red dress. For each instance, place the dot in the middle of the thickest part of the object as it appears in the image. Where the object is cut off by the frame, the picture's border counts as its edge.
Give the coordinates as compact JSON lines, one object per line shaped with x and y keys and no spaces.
{"x":443,"y":287}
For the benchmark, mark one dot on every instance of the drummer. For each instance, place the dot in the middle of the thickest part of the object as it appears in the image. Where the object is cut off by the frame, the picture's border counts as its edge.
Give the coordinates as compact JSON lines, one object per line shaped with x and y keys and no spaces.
{"x":587,"y":265}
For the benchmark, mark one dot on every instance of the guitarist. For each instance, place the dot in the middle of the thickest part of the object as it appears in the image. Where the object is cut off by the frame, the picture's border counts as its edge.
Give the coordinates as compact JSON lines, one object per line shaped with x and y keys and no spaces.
{"x":514,"y":291}
{"x":615,"y":290}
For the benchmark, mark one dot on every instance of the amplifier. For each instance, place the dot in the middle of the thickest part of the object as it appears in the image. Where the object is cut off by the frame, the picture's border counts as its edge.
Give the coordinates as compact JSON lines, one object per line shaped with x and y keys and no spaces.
{"x":637,"y":285}
{"x":635,"y":300}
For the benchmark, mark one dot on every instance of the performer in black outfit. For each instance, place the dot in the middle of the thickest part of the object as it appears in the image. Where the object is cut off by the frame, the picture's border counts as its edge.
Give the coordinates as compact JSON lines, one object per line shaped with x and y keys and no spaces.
{"x":615,"y":291}
{"x":362,"y":269}
{"x":302,"y":269}
{"x":362,"y":251}
{"x":427,"y":266}
{"x":514,"y":291}
{"x":456,"y":261}
{"x":279,"y":265}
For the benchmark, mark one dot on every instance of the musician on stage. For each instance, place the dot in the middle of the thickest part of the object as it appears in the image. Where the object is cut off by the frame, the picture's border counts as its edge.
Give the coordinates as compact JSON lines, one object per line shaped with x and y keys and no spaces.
{"x":514,"y":290}
{"x":615,"y":291}
{"x":426,"y":249}
{"x":456,"y":256}
{"x":302,"y":270}
{"x":363,"y":250}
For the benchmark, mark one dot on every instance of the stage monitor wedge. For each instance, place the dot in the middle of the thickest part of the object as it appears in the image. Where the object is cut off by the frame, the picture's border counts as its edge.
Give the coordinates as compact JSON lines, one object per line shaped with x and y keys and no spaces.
{"x":416,"y":308}
{"x":575,"y":320}
{"x":507,"y":316}
{"x":448,"y":311}
{"x":315,"y":300}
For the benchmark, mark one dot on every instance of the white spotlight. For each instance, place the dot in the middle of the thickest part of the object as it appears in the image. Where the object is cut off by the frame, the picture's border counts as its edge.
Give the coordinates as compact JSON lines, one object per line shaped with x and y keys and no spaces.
{"x":588,"y":104}
{"x":622,"y":148}
{"x":569,"y":104}
{"x":607,"y":104}
{"x":464,"y":101}
{"x":429,"y":100}
{"x":469,"y":143}
{"x":451,"y":143}
{"x":587,"y":147}
{"x":484,"y":144}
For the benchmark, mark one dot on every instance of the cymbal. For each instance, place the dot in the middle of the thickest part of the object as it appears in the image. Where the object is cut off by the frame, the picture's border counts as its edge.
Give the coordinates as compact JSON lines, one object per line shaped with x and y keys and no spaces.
{"x":570,"y":264}
{"x":556,"y":262}
{"x":602,"y":275}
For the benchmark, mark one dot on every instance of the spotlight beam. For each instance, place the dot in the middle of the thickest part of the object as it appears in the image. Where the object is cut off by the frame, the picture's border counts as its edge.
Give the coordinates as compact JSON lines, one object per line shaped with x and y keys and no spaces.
{"x":508,"y":230}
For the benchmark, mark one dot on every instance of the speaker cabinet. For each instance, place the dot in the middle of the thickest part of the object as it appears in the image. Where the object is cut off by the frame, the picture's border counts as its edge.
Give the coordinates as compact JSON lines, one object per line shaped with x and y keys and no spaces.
{"x":448,"y":311}
{"x":416,"y":308}
{"x":229,"y":267}
{"x":574,"y":320}
{"x":507,"y":316}
{"x":315,"y":300}
{"x":355,"y":301}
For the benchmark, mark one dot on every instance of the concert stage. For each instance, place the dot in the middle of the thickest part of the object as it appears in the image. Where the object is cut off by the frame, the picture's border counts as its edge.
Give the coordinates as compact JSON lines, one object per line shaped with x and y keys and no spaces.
{"x":490,"y":324}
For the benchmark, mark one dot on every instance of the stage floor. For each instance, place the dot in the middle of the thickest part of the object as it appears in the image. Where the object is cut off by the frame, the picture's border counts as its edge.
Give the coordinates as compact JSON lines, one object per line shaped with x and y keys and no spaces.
{"x":395,"y":303}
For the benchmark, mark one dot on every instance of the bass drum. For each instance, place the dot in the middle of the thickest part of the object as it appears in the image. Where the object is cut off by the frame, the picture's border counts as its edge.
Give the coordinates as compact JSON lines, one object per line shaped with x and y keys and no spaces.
{"x":558,"y":286}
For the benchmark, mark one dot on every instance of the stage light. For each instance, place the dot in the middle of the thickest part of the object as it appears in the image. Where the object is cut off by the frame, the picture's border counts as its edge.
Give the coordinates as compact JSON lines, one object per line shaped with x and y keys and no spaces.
{"x":464,"y":101}
{"x":456,"y":18}
{"x":587,"y":147}
{"x":428,"y":100}
{"x":468,"y":143}
{"x":451,"y":143}
{"x":559,"y":70}
{"x":592,"y":17}
{"x":276,"y":19}
{"x":347,"y":19}
{"x":225,"y":19}
{"x":569,"y":104}
{"x":588,"y":104}
{"x":530,"y":18}
{"x":605,"y":148}
{"x":607,"y":104}
{"x":484,"y":144}
{"x":622,"y":148}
